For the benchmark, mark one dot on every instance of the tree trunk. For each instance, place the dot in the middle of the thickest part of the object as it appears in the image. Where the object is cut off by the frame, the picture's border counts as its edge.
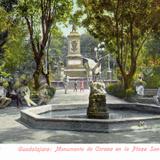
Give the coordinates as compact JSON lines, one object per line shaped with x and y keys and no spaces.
{"x":127,"y":82}
{"x":36,"y":76}
{"x":37,"y":72}
{"x":47,"y":78}
{"x":127,"y":77}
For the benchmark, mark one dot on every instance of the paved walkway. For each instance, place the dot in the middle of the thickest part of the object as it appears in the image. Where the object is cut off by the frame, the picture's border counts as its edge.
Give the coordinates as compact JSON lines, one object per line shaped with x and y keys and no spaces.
{"x":12,"y":131}
{"x":79,"y":97}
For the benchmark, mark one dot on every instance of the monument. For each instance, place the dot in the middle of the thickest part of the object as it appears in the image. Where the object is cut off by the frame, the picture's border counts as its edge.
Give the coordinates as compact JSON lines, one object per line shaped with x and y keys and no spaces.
{"x":74,"y":66}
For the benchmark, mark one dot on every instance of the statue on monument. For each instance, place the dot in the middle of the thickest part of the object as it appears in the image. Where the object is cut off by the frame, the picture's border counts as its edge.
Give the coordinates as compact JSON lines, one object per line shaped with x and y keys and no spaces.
{"x":73,"y":28}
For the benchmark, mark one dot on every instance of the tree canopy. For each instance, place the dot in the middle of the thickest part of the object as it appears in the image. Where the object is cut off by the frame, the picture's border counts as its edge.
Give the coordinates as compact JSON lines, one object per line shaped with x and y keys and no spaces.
{"x":124,"y":26}
{"x":40,"y":18}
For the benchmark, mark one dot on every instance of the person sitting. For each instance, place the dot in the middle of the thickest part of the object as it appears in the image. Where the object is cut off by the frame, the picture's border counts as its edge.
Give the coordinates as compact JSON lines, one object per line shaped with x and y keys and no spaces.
{"x":157,"y":97}
{"x":13,"y":94}
{"x":140,"y":86}
{"x":43,"y":94}
{"x":25,"y":93}
{"x":4,"y":101}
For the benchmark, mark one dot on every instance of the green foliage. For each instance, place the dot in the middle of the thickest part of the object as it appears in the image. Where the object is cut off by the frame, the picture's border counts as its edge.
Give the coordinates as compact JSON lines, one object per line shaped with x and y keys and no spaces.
{"x":16,"y":50}
{"x":3,"y":73}
{"x":60,"y":11}
{"x":130,"y":92}
{"x":5,"y":84}
{"x":124,"y":26}
{"x":41,"y":18}
{"x":152,"y":54}
{"x":8,"y":5}
{"x":4,"y":25}
{"x":51,"y":91}
{"x":153,"y":80}
{"x":140,"y":82}
{"x":88,"y":43}
{"x":116,"y":89}
{"x":152,"y":45}
{"x":4,"y":20}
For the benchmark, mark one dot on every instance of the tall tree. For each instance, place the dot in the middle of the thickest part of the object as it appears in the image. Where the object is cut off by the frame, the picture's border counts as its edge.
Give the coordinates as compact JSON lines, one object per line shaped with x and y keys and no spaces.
{"x":41,"y":17}
{"x":16,"y":49}
{"x":6,"y":6}
{"x":124,"y":26}
{"x":4,"y":24}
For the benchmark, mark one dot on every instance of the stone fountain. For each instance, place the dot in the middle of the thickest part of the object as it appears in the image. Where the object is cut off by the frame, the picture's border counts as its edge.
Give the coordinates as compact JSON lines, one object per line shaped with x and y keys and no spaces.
{"x":97,"y":108}
{"x":95,"y":116}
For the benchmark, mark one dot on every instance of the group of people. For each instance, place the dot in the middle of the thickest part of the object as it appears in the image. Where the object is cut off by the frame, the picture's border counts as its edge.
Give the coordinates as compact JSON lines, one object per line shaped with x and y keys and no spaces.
{"x":76,"y":84}
{"x":9,"y":94}
{"x":81,"y":86}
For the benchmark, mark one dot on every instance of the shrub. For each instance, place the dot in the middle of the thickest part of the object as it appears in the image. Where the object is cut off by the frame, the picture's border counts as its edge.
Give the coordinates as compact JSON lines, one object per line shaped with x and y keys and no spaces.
{"x":51,"y":91}
{"x":153,"y":79}
{"x":130,"y":92}
{"x":46,"y":92}
{"x":116,"y":89}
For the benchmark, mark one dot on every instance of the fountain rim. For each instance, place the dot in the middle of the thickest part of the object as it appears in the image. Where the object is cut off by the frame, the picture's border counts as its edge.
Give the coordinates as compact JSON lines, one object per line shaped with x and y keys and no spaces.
{"x":36,"y":112}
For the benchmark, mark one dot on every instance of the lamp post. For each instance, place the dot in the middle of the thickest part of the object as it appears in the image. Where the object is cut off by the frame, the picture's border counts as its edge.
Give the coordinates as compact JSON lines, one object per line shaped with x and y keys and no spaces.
{"x":109,"y":71}
{"x":96,"y":50}
{"x":100,"y":49}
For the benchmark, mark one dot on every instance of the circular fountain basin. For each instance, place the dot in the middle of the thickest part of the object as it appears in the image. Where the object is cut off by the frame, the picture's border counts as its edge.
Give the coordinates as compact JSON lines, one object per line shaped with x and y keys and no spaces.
{"x":122,"y":117}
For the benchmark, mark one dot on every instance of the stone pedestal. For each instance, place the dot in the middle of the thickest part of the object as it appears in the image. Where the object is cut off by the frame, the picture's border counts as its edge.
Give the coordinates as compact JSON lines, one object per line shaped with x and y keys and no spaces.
{"x":97,"y":102}
{"x":74,"y":67}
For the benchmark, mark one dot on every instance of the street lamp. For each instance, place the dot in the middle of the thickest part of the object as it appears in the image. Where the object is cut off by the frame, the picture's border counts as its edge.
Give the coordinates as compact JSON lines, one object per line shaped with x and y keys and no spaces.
{"x":100,"y":49}
{"x":109,"y":67}
{"x":96,"y":50}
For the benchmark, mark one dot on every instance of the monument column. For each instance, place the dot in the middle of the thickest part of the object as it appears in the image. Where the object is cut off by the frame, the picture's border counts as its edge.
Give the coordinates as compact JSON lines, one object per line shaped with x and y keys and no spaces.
{"x":74,"y":67}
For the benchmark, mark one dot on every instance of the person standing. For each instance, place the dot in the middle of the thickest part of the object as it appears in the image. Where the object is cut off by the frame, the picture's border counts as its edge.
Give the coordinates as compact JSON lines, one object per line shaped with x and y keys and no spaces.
{"x":65,"y":82}
{"x":81,"y":85}
{"x":75,"y":86}
{"x":13,"y":94}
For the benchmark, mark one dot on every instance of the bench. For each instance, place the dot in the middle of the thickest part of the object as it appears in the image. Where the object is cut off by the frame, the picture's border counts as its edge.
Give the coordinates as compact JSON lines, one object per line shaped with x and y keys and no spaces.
{"x":150,"y":92}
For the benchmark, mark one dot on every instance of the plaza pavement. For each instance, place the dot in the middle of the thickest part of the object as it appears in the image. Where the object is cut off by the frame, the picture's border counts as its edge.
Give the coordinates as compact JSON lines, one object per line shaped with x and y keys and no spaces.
{"x":12,"y":131}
